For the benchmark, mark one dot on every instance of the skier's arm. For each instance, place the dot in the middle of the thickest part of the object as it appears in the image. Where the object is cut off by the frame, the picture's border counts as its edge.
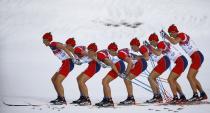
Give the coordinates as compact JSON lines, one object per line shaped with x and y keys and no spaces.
{"x":129,"y":66}
{"x":156,"y":51}
{"x":174,"y":40}
{"x":144,"y":50}
{"x":146,"y":56}
{"x":61,"y":46}
{"x":110,"y":63}
{"x":170,"y":39}
{"x":95,"y":58}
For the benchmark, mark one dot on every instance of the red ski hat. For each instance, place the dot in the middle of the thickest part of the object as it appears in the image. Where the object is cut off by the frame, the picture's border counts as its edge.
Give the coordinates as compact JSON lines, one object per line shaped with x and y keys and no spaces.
{"x":77,"y":50}
{"x":71,"y":42}
{"x":135,"y":41}
{"x":121,"y":54}
{"x":48,"y":36}
{"x":172,"y":28}
{"x":92,"y":47}
{"x":101,"y":56}
{"x":113,"y":46}
{"x":161,"y":45}
{"x":153,"y":37}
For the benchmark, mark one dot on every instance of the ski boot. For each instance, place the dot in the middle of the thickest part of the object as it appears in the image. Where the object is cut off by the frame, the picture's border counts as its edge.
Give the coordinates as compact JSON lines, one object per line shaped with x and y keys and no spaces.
{"x":78,"y":100}
{"x":156,"y":99}
{"x":129,"y":101}
{"x":106,"y":102}
{"x":203,"y":96}
{"x":175,"y":100}
{"x":85,"y":101}
{"x":182,"y":99}
{"x":52,"y":101}
{"x":60,"y":101}
{"x":195,"y":97}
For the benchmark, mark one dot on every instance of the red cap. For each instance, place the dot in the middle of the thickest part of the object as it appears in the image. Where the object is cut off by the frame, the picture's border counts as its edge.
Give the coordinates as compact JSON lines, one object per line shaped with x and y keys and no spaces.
{"x":122,"y":55}
{"x":113,"y":46}
{"x":71,"y":42}
{"x":172,"y":28}
{"x":77,"y":50}
{"x":101,"y":56}
{"x":161,"y":45}
{"x":92,"y":47}
{"x":153,"y":37}
{"x":48,"y":36}
{"x":135,"y":41}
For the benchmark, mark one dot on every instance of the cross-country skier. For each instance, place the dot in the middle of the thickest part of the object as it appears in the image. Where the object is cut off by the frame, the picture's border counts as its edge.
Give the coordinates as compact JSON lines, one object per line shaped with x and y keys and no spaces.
{"x":109,"y":58}
{"x":137,"y":63}
{"x":163,"y":63}
{"x":64,"y":53}
{"x":180,"y":65}
{"x":196,"y":56}
{"x":86,"y":56}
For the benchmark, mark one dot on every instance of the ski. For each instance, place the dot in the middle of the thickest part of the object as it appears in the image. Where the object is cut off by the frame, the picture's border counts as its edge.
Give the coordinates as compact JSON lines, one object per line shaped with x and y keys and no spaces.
{"x":136,"y":104}
{"x":27,"y":104}
{"x":184,"y":103}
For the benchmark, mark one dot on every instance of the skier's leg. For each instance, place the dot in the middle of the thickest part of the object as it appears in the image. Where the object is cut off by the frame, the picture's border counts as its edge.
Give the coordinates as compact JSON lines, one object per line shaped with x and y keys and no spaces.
{"x":129,"y":85}
{"x":178,"y":88}
{"x":172,"y":82}
{"x":53,"y":81}
{"x":153,"y":83}
{"x":197,"y":60}
{"x":62,"y":74}
{"x":58,"y":83}
{"x":81,"y":82}
{"x":106,"y":88}
{"x":191,"y":78}
{"x":198,"y":85}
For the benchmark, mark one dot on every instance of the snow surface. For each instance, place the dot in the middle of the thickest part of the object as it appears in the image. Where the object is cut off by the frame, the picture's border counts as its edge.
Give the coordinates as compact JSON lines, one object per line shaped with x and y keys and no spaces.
{"x":27,"y":65}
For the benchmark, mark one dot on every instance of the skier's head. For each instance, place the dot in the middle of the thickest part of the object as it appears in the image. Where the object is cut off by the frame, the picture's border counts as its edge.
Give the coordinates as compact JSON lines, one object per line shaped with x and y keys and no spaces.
{"x":92,"y":49}
{"x":153,"y":39}
{"x":70,"y":43}
{"x":112,"y":48}
{"x":135,"y":43}
{"x":173,"y":31}
{"x":47,"y":38}
{"x":79,"y":51}
{"x":162,"y":45}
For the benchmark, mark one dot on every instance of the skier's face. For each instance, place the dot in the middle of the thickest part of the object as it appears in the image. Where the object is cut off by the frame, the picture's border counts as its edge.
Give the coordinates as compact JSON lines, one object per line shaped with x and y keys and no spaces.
{"x":46,"y":42}
{"x":135,"y":48}
{"x":69,"y":47}
{"x":173,"y":34}
{"x":153,"y":43}
{"x":91,"y":53}
{"x":113,"y":53}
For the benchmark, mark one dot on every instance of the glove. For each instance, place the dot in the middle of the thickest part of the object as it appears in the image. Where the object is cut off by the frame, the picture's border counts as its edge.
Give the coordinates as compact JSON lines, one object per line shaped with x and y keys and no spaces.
{"x":77,"y":61}
{"x":103,"y":65}
{"x":163,"y":34}
{"x":123,"y":75}
{"x":146,"y":43}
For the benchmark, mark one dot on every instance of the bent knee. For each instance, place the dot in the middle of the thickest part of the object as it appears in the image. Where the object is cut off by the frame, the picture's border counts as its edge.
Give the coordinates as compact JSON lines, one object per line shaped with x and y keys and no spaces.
{"x":105,"y":82}
{"x":53,"y":79}
{"x":57,"y":81}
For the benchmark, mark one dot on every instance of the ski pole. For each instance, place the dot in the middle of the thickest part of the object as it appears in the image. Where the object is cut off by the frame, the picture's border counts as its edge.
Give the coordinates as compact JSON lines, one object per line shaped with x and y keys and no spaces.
{"x":138,"y":85}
